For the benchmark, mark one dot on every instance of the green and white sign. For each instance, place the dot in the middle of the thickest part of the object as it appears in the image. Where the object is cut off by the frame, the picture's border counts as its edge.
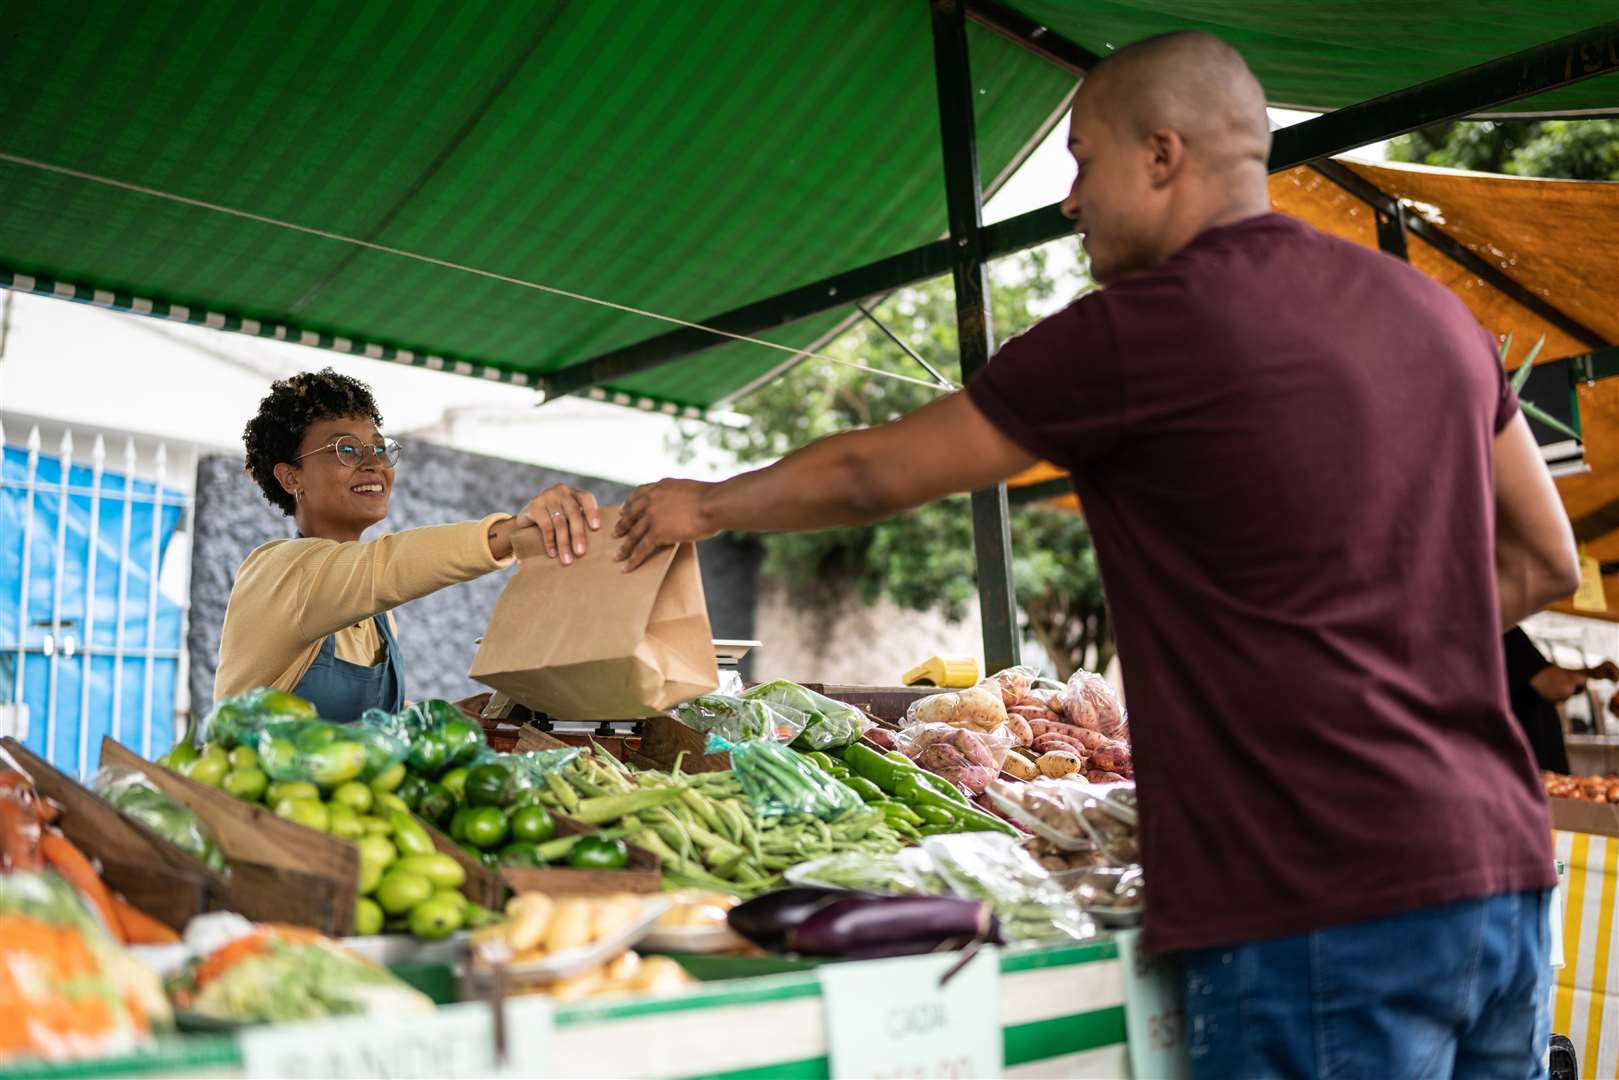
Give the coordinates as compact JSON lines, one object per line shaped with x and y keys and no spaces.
{"x":891,"y":1020}
{"x":452,"y":1042}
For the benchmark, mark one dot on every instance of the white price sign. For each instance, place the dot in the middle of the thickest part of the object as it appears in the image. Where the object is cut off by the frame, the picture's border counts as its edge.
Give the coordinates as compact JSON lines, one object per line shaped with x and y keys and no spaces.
{"x":891,"y":1020}
{"x":1154,"y":1011}
{"x":454,"y":1041}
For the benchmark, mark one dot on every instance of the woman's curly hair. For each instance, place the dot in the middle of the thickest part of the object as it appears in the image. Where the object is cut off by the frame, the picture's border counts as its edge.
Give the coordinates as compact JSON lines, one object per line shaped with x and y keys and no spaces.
{"x":284,"y":417}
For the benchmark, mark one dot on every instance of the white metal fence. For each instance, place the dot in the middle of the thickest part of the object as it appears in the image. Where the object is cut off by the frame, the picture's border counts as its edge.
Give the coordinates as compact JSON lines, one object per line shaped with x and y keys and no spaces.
{"x":93,"y":593}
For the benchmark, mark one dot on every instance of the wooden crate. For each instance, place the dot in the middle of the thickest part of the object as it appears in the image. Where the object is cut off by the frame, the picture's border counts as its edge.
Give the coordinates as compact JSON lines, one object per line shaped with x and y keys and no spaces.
{"x":154,"y":874}
{"x":643,"y":875}
{"x":663,"y":739}
{"x":280,"y":871}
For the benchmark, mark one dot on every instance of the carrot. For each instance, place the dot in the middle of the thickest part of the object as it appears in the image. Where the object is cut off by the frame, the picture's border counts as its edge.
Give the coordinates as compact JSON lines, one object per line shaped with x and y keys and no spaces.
{"x":71,"y":863}
{"x":140,"y":928}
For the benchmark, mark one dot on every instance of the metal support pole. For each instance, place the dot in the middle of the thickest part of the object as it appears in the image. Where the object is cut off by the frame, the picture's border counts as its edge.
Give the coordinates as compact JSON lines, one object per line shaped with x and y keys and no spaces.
{"x":1391,"y":230}
{"x":992,"y":536}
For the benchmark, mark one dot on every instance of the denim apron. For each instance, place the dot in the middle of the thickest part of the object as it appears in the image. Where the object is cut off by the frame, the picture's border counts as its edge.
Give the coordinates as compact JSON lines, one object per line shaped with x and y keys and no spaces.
{"x":341,"y":691}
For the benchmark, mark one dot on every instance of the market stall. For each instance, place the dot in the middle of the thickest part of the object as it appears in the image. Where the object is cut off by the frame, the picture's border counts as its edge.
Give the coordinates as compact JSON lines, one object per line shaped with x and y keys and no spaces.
{"x":401,"y":863}
{"x":502,"y":906}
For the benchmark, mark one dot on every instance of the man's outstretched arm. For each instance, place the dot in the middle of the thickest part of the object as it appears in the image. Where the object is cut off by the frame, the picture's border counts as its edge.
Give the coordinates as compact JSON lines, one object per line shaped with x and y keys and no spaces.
{"x":854,"y":478}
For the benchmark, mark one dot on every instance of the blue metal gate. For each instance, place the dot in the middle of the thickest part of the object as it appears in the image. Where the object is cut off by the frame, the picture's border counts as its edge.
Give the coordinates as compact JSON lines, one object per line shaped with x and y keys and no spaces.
{"x":89,"y":645}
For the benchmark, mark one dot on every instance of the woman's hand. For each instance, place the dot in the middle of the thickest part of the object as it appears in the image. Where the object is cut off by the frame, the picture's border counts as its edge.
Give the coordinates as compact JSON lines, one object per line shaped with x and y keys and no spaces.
{"x":564,"y":517}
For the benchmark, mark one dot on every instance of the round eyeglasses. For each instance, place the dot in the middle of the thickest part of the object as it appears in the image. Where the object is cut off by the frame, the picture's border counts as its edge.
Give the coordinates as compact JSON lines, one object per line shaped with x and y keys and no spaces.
{"x":352,"y":452}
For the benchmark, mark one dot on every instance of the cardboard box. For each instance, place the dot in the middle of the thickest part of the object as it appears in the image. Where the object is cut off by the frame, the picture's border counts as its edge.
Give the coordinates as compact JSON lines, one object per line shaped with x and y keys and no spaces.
{"x":1580,"y":816}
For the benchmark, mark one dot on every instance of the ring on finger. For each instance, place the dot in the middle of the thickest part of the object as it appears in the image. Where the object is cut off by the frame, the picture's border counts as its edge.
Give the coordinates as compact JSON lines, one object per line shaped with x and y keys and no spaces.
{"x":558,"y":514}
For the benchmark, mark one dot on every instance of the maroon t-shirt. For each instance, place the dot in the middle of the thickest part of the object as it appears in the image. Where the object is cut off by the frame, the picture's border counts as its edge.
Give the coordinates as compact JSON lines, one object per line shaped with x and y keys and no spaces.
{"x":1282,"y":442}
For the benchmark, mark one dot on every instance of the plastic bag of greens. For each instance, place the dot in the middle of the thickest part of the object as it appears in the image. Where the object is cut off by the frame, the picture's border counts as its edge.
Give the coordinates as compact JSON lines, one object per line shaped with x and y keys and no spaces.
{"x":505,"y":780}
{"x":236,"y":721}
{"x":827,"y":723}
{"x":138,"y":799}
{"x":326,"y":754}
{"x":735,"y":719}
{"x":780,"y":782}
{"x":1029,"y":903}
{"x":908,"y":872}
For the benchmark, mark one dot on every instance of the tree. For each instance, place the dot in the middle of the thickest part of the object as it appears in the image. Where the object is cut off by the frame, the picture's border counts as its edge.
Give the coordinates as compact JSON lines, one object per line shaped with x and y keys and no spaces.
{"x":922,"y":560}
{"x":1561,"y":149}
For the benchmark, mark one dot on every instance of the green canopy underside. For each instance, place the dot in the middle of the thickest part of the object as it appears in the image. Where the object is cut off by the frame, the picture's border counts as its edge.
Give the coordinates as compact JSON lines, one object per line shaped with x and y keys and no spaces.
{"x":683,"y":158}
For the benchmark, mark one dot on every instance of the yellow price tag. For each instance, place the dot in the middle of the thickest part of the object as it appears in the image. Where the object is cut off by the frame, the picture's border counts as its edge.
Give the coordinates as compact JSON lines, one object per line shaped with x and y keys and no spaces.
{"x":1590,"y":596}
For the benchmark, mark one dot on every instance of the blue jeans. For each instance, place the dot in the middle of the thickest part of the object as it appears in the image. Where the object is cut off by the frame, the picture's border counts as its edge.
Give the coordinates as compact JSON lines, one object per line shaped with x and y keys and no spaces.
{"x":1459,"y":990}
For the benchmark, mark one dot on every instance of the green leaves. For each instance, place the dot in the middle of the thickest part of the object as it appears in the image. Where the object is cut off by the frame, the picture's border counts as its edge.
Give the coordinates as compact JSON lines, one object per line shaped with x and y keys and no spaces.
{"x":1520,"y":378}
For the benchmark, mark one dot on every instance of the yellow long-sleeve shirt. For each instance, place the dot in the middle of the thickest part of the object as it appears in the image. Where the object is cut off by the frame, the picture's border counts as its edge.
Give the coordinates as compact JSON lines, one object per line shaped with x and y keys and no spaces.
{"x":290,"y":594}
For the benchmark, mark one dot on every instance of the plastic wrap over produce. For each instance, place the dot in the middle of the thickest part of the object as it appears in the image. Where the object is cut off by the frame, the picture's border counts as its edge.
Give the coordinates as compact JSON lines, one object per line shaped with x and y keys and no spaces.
{"x":1077,"y":728}
{"x":781,"y":782}
{"x":138,"y":799}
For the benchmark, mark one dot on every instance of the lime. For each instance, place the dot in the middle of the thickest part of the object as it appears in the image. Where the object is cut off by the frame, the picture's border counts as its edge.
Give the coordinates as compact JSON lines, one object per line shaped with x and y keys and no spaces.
{"x":375,"y":825}
{"x":314,"y":736}
{"x":335,"y":763}
{"x":533,"y":824}
{"x":428,"y":754}
{"x":278,"y":757}
{"x":390,"y":778}
{"x":409,"y":836}
{"x":411,"y":790}
{"x":354,"y":795}
{"x":490,"y":784}
{"x":209,"y":769}
{"x":290,"y":789}
{"x":387,"y":802}
{"x":399,"y":891}
{"x":248,"y":783}
{"x":310,"y":813}
{"x":436,"y":804}
{"x":370,"y":878}
{"x":521,"y":853}
{"x":244,"y":757}
{"x":443,"y":871}
{"x":367,"y":917}
{"x":485,"y":827}
{"x":455,"y":782}
{"x":343,"y":822}
{"x":599,"y":853}
{"x":377,"y":851}
{"x":436,"y":918}
{"x":458,"y":824}
{"x":454,"y":896}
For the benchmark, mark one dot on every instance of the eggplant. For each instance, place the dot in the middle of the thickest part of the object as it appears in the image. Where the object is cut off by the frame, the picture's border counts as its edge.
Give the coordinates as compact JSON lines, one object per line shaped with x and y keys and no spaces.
{"x":766,"y":919}
{"x":865,"y":923}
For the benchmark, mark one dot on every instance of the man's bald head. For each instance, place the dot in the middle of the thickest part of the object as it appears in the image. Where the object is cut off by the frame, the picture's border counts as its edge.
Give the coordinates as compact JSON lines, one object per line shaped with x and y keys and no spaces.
{"x":1192,"y":83}
{"x":1169,"y":136}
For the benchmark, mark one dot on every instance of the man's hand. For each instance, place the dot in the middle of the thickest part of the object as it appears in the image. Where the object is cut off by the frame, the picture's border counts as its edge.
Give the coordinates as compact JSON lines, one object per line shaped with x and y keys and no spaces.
{"x":564,"y":517}
{"x":1607,"y":671}
{"x":659,"y":515}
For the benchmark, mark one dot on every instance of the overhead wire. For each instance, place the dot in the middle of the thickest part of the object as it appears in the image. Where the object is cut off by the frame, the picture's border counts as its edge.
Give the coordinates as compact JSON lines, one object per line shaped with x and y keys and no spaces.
{"x":448,"y":264}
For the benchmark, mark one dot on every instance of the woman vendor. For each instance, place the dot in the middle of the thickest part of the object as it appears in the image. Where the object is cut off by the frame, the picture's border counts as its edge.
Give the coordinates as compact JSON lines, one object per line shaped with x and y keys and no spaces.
{"x":314,"y":615}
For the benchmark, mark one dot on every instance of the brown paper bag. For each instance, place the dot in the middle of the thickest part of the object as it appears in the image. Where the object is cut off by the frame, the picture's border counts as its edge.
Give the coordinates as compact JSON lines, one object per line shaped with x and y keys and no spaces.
{"x":590,"y":642}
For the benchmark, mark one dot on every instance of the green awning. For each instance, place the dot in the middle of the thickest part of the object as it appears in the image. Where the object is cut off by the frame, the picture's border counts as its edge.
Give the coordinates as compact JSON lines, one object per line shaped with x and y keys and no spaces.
{"x":1319,"y":55}
{"x":684,"y":158}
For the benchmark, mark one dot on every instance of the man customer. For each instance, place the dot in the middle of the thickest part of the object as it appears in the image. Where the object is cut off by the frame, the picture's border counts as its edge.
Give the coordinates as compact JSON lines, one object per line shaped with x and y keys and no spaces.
{"x":1316,"y":506}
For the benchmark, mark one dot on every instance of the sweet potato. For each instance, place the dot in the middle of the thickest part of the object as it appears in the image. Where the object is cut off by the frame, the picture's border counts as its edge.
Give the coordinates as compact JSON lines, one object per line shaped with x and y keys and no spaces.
{"x":936,"y":709}
{"x":1058,"y":763}
{"x":1018,"y":728}
{"x":980,"y":710}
